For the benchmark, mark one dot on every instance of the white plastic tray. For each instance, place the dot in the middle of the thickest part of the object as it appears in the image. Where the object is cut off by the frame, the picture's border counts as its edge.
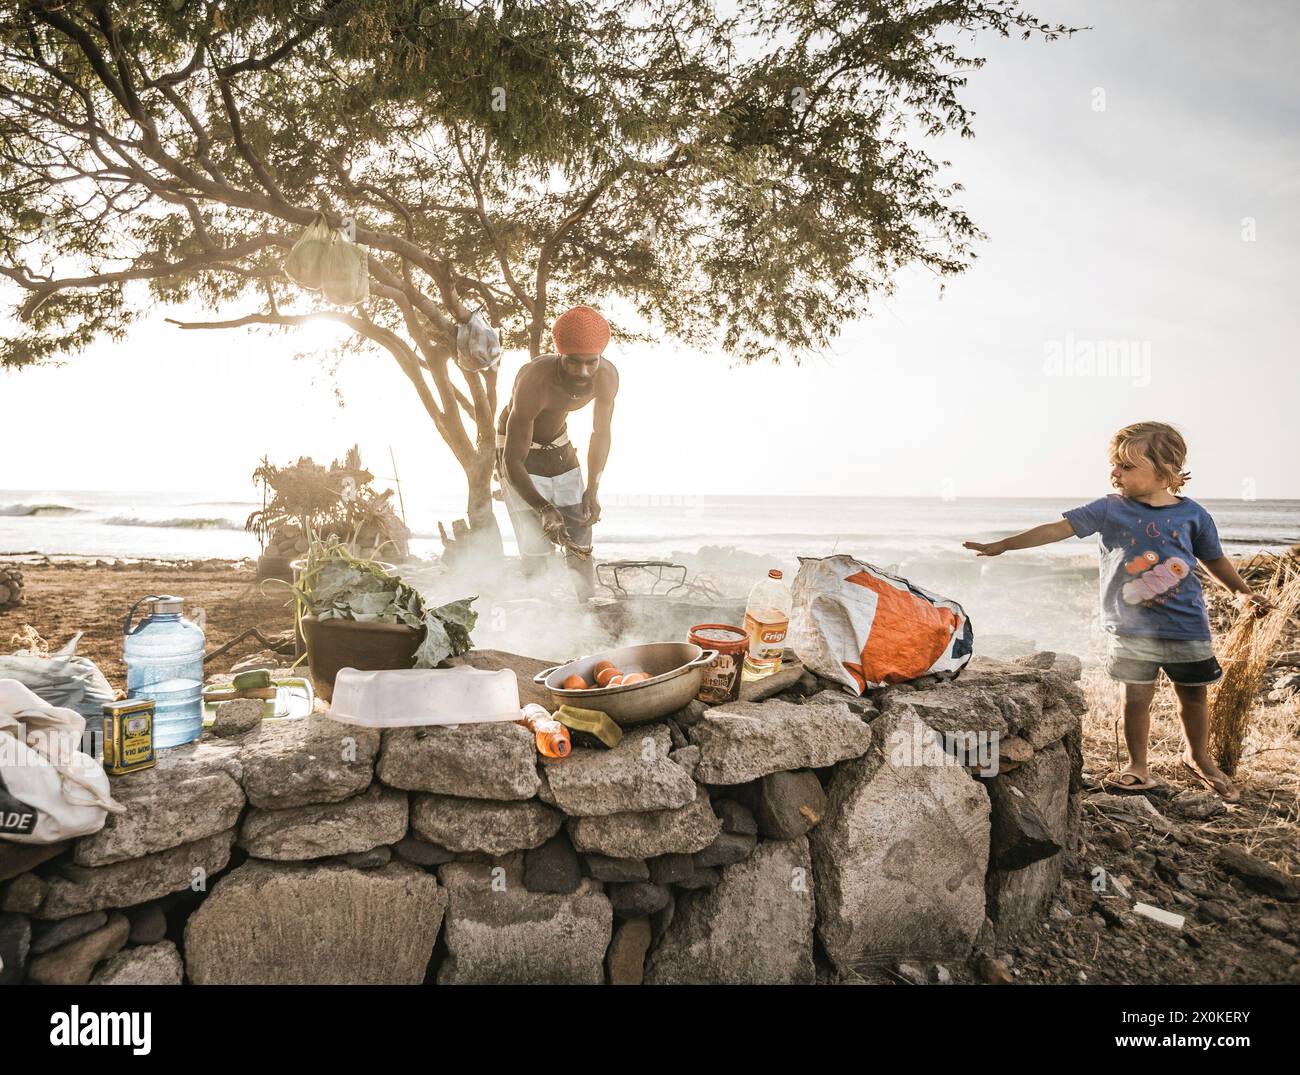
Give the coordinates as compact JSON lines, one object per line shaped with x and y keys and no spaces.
{"x":403,"y":698}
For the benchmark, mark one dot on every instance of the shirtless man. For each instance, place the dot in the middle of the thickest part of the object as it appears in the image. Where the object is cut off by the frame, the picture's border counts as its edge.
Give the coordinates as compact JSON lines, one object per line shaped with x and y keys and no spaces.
{"x":536,"y":461}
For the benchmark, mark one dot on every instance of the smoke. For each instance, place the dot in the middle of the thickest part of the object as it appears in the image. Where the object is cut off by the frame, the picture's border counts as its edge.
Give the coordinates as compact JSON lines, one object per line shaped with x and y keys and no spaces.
{"x":541,"y":616}
{"x":1017,"y":604}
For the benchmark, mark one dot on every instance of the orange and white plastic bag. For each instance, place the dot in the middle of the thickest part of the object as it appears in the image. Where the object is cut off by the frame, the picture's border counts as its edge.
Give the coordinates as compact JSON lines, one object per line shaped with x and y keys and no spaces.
{"x":864,"y":628}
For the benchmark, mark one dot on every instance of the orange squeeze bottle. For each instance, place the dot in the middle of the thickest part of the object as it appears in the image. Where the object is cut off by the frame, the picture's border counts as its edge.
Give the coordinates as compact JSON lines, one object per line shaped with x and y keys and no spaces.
{"x":551,"y":736}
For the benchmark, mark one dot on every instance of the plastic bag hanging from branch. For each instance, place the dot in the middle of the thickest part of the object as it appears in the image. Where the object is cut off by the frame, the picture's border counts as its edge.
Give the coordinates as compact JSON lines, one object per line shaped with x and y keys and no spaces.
{"x":324,"y":259}
{"x":478,"y":344}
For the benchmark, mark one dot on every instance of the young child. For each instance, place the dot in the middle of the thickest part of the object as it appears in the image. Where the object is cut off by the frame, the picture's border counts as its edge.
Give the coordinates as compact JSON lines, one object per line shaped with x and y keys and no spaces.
{"x":1151,"y":603}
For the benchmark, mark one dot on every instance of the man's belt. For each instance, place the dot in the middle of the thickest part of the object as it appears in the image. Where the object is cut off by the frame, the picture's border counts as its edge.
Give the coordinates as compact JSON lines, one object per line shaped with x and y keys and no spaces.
{"x":561,"y":441}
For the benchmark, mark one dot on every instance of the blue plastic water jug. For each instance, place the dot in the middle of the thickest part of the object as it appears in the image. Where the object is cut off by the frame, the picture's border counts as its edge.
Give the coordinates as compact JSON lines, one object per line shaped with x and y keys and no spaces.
{"x":164,"y":661}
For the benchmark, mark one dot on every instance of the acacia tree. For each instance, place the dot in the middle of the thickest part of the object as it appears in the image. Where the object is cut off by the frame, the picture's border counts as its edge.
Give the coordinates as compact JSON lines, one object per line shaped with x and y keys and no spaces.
{"x":746,"y":181}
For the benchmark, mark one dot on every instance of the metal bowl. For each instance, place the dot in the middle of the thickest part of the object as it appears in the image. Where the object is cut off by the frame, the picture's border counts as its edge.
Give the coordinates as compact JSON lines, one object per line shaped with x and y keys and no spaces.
{"x":676,"y":669}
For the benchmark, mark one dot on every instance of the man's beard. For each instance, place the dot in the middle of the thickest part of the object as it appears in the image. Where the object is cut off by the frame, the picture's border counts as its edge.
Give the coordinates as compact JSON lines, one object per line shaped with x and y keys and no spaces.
{"x":574,"y":386}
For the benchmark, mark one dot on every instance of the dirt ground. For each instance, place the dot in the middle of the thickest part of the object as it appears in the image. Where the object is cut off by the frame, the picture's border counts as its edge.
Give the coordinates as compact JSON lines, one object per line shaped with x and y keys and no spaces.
{"x":62,"y":599}
{"x":1232,"y":934}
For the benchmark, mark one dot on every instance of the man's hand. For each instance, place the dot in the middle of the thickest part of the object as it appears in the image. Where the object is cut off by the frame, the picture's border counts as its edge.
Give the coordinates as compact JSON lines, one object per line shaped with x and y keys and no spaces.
{"x":591,"y":505}
{"x":996,"y":548}
{"x":552,"y":522}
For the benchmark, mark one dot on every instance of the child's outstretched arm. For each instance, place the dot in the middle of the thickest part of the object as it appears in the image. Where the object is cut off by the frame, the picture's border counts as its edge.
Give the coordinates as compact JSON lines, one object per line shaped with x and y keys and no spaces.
{"x":1225,"y":571}
{"x":1039,"y":535}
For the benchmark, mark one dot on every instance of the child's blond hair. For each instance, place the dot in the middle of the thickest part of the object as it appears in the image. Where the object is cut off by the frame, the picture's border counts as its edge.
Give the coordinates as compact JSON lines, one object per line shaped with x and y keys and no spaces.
{"x":1156,"y":443}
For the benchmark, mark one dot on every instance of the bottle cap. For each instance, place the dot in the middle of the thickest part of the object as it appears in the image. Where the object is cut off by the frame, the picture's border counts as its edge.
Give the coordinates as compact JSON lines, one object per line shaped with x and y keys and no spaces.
{"x":165,"y":604}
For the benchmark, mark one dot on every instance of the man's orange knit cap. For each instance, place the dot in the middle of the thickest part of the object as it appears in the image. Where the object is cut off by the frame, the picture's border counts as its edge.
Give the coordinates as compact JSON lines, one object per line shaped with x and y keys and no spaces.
{"x":580,"y":331}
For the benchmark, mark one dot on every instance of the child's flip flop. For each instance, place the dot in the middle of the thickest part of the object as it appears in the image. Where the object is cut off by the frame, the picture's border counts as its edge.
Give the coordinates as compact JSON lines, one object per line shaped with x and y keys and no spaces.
{"x":1225,"y":789}
{"x":1128,"y":782}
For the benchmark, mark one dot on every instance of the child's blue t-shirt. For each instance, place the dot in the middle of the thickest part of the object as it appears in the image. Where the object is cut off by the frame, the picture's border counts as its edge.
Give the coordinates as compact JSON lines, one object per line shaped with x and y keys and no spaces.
{"x":1148,"y":586}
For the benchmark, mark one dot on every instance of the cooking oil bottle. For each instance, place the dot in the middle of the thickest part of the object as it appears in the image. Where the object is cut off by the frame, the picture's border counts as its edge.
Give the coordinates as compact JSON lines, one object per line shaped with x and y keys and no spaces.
{"x":767,"y":619}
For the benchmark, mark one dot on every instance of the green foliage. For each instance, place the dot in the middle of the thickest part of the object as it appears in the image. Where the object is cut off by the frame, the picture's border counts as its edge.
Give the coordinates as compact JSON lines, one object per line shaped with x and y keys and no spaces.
{"x":748,"y":174}
{"x":334,"y":584}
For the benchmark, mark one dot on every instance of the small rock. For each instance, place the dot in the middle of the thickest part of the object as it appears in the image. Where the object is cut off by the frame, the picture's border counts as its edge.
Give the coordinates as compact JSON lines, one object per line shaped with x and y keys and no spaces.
{"x":758,"y":690}
{"x":148,"y":923}
{"x":940,"y":975}
{"x":1059,"y":913}
{"x":1190,"y":884}
{"x":15,"y":942}
{"x":625,"y":960}
{"x":1280,"y":948}
{"x":605,"y":868}
{"x":911,"y":974}
{"x":705,"y":877}
{"x":1013,"y":752}
{"x":1213,"y":911}
{"x":1272,"y":924}
{"x":1119,"y":839}
{"x":152,"y":964}
{"x":637,"y":898}
{"x":791,"y":804}
{"x":669,"y":869}
{"x":690,"y":713}
{"x":687,"y":757}
{"x":1197,"y":805}
{"x":20,"y":858}
{"x":46,"y":938}
{"x":736,"y":817}
{"x":237,"y":717}
{"x":24,"y":894}
{"x":369,"y":860}
{"x":553,"y":867}
{"x":73,"y":963}
{"x":1258,"y":874}
{"x":422,"y":853}
{"x":993,"y":971}
{"x":727,"y":847}
{"x":662,"y":919}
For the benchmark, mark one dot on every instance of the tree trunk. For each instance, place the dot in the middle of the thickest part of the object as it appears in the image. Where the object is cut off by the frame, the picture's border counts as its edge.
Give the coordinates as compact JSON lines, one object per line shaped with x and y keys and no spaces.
{"x":484,"y":534}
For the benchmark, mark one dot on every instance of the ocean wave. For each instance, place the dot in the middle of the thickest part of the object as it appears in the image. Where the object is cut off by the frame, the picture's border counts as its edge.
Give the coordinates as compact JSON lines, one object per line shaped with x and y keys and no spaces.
{"x":174,"y":524}
{"x":28,"y":510}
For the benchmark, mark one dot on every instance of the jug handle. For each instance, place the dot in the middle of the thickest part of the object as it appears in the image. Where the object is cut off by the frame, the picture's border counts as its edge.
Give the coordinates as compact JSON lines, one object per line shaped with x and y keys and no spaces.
{"x":126,"y":623}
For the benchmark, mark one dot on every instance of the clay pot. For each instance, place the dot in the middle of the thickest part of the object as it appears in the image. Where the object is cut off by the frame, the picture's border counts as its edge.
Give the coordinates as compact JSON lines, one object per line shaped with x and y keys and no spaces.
{"x":333,"y":644}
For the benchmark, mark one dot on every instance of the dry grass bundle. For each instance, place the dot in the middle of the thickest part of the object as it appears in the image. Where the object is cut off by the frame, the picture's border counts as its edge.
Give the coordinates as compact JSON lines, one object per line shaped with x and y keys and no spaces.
{"x":1245,"y":658}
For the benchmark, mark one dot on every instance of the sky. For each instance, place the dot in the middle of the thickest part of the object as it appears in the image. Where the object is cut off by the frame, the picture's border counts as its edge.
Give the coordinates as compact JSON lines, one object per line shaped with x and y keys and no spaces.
{"x":1138,"y":185}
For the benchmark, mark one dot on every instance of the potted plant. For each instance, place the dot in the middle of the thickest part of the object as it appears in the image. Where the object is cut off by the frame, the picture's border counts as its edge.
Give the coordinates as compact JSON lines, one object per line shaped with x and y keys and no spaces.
{"x":356,"y":613}
{"x":306,"y":501}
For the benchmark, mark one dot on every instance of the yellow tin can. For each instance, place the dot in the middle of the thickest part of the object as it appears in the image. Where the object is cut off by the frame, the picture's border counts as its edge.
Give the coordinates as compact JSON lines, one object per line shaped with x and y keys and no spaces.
{"x":128,"y":736}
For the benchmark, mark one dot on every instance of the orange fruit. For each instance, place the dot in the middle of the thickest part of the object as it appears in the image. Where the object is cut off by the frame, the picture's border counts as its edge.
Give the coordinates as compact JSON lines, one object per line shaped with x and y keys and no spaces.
{"x":614,"y":681}
{"x":574,"y":683}
{"x":602,"y":665}
{"x":605,"y":674}
{"x":635,"y":677}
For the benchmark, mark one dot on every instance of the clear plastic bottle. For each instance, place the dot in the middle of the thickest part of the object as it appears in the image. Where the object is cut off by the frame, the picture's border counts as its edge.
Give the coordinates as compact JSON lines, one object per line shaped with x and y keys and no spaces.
{"x":767,"y":619}
{"x":164,"y":661}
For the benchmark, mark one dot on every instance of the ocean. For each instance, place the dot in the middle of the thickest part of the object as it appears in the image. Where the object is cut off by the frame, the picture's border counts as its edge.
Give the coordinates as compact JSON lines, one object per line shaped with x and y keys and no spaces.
{"x":64,"y":523}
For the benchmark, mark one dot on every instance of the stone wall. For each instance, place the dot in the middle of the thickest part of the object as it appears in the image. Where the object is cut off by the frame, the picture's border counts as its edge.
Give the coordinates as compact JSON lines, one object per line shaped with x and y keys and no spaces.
{"x":796,"y":835}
